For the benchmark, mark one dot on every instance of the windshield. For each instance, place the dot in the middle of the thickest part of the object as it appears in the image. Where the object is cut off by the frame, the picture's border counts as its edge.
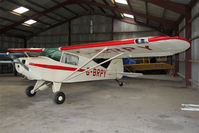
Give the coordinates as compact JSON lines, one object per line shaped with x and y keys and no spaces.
{"x":53,"y":53}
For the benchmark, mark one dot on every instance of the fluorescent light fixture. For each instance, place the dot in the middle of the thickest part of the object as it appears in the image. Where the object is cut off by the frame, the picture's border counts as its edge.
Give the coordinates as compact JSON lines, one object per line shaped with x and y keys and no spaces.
{"x":20,"y":10}
{"x":128,"y":15}
{"x":121,"y":2}
{"x":29,"y":22}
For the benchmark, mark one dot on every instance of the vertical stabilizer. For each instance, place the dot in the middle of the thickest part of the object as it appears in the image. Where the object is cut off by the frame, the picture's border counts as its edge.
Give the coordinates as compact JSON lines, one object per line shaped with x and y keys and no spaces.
{"x":116,"y":66}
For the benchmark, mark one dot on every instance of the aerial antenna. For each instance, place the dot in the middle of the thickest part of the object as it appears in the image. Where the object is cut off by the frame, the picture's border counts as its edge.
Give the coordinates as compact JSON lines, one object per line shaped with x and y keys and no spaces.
{"x":91,"y":23}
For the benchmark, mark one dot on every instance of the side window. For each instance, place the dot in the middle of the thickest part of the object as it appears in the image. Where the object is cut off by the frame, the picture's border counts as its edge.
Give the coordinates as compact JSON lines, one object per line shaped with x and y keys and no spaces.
{"x":70,"y":59}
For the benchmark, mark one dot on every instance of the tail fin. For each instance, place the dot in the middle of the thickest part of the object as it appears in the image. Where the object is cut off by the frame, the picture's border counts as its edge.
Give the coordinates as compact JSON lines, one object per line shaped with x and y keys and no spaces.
{"x":116,"y":66}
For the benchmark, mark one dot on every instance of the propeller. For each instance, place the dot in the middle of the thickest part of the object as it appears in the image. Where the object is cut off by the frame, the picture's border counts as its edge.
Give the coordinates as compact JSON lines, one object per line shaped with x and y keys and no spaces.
{"x":16,"y":60}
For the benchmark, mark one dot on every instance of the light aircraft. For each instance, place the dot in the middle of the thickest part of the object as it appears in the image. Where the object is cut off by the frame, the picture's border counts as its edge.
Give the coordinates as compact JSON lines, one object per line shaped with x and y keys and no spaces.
{"x":89,"y":62}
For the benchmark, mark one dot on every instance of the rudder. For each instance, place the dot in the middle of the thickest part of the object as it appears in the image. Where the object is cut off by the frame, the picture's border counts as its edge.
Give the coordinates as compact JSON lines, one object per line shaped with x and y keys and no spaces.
{"x":116,"y":65}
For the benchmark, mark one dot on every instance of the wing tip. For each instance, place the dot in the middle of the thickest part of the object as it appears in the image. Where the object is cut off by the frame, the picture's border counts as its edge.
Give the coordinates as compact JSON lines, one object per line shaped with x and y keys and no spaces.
{"x":162,"y":38}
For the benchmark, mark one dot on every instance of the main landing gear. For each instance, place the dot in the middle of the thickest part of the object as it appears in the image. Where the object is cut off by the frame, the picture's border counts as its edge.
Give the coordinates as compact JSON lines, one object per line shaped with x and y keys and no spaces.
{"x":58,"y":97}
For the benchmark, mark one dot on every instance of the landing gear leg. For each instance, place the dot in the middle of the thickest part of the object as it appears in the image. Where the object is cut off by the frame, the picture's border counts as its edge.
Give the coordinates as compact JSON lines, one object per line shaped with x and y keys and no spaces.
{"x":59,"y":97}
{"x":119,"y":82}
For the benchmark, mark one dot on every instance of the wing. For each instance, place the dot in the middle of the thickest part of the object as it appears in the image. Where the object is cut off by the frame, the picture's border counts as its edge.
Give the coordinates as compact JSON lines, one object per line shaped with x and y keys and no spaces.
{"x":30,"y":51}
{"x":26,"y":49}
{"x":140,"y":47}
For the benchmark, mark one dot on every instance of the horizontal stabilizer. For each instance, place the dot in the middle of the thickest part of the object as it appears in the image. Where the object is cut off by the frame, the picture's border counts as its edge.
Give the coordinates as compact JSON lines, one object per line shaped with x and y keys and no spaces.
{"x":128,"y":74}
{"x":131,"y":74}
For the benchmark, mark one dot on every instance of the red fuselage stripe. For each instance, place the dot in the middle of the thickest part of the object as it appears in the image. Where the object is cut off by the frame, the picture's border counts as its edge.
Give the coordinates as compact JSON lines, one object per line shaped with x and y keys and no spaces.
{"x":57,"y":67}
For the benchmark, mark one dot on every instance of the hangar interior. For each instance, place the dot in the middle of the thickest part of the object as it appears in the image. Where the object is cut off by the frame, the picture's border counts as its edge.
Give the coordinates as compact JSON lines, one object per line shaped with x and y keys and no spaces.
{"x":58,"y":23}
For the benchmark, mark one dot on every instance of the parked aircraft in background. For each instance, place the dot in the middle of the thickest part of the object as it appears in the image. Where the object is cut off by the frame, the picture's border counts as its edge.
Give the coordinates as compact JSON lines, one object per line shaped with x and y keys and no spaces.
{"x":89,"y":62}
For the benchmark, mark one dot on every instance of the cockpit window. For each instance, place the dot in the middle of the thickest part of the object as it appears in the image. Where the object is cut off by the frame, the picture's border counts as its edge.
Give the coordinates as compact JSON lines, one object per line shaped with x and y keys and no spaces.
{"x":70,"y":59}
{"x":53,"y":53}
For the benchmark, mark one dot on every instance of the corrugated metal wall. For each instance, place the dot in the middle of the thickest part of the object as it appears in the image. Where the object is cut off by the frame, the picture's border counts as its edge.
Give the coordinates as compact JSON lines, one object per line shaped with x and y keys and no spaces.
{"x":195,"y":46}
{"x":124,"y":30}
{"x":81,"y":29}
{"x":55,"y":37}
{"x":5,"y":43}
{"x":80,"y":32}
{"x":10,"y":42}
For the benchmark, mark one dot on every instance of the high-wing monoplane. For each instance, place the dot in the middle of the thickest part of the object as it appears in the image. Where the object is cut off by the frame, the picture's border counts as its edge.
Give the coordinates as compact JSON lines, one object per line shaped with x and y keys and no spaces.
{"x":89,"y":62}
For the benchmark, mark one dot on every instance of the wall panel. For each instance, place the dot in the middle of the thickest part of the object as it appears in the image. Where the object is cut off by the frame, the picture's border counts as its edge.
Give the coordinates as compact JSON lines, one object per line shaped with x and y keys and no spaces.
{"x":195,"y":46}
{"x":10,"y":42}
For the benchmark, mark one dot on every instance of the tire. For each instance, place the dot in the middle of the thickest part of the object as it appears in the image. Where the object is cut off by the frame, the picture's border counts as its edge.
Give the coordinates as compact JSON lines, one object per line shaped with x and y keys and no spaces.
{"x":59,"y":97}
{"x":121,"y":84}
{"x":28,"y":91}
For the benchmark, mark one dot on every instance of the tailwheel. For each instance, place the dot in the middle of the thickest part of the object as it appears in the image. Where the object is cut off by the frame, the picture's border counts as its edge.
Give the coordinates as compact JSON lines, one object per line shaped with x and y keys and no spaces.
{"x":119,"y":82}
{"x":59,"y":97}
{"x":29,"y":91}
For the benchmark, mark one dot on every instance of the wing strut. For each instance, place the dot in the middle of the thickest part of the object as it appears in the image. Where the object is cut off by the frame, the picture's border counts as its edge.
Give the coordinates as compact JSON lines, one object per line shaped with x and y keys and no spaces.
{"x":98,"y":65}
{"x":86,"y":63}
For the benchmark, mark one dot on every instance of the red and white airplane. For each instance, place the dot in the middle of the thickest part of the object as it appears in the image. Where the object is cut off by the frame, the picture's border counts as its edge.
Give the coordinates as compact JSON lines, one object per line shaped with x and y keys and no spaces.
{"x":89,"y":62}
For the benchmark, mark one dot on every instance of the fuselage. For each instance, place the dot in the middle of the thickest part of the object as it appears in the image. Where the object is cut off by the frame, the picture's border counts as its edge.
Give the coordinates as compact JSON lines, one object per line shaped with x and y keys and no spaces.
{"x":58,"y":70}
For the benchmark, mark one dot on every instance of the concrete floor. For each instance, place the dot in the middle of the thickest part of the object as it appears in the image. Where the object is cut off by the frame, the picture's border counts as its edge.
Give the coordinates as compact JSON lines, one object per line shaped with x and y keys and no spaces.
{"x":141,"y":106}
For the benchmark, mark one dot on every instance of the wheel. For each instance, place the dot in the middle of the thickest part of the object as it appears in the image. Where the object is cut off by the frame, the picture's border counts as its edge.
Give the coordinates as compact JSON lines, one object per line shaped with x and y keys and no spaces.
{"x":59,"y":97}
{"x":29,"y":92}
{"x":121,"y":84}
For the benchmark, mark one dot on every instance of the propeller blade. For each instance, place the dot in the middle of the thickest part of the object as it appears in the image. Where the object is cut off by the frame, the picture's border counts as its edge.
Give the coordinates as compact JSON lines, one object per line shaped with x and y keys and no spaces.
{"x":16,"y":60}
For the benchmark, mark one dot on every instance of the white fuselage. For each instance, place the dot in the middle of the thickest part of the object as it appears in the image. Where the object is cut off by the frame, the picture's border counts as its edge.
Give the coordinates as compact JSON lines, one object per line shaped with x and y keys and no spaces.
{"x":47,"y":69}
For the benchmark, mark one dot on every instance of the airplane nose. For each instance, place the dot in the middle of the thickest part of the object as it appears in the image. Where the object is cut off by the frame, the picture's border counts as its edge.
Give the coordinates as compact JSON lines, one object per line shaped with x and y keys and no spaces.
{"x":18,"y":67}
{"x":21,"y":66}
